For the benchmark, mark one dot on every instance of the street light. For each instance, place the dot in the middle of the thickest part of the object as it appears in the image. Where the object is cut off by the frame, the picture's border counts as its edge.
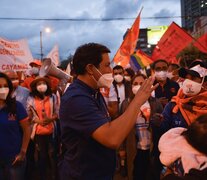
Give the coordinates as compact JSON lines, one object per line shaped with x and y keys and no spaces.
{"x":47,"y":30}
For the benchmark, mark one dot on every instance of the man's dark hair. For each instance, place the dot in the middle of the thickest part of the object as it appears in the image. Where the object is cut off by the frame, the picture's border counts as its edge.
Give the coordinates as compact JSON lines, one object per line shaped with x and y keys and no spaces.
{"x":90,"y":53}
{"x":174,"y":66}
{"x":196,"y":134}
{"x":118,"y":67}
{"x":130,"y":71}
{"x":157,"y":61}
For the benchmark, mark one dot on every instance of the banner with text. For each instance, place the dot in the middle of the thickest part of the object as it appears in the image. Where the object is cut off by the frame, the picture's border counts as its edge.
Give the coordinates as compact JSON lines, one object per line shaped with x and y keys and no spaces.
{"x":174,"y":40}
{"x":14,"y":55}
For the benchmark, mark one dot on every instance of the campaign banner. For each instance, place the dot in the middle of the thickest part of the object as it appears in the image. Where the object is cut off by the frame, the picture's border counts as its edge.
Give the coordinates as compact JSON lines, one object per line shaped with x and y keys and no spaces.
{"x":201,"y":43}
{"x":174,"y":40}
{"x":14,"y":55}
{"x":54,"y":55}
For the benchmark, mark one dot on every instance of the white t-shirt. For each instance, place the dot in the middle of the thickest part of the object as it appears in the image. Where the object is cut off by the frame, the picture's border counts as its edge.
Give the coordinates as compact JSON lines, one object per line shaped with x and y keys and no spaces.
{"x":113,"y":95}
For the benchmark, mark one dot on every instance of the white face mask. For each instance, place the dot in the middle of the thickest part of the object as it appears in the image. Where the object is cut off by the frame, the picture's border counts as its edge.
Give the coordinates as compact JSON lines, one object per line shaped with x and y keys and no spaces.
{"x":118,"y":78}
{"x":34,"y":71}
{"x":42,"y":88}
{"x":161,"y":75}
{"x":191,"y":88}
{"x":105,"y":80}
{"x":4,"y":91}
{"x":128,"y":78}
{"x":135,"y":89}
{"x":170,"y":75}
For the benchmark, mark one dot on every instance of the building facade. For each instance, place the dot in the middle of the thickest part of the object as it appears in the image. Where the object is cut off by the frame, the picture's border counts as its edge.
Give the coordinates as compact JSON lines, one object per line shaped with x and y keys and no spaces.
{"x":191,"y":11}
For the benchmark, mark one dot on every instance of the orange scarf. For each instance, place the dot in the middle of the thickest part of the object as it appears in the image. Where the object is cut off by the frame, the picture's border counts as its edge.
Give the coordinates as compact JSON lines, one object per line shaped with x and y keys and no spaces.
{"x":190,"y":107}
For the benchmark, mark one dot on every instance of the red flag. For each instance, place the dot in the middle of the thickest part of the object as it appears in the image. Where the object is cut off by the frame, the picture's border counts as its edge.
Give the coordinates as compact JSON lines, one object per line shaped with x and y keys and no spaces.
{"x":128,"y":45}
{"x":201,"y":43}
{"x":171,"y":43}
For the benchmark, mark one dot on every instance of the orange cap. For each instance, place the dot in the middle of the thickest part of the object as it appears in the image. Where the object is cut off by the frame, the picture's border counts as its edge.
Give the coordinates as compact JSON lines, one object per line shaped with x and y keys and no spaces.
{"x":37,"y":62}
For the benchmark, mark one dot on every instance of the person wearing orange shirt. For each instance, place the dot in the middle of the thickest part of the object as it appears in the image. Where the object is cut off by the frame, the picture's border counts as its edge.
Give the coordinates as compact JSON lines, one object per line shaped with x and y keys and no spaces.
{"x":34,"y":71}
{"x":42,"y":110}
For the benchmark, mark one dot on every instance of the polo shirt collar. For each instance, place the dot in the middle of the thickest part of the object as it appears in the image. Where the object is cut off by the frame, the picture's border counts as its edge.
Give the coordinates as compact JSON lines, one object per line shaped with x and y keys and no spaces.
{"x":88,"y":88}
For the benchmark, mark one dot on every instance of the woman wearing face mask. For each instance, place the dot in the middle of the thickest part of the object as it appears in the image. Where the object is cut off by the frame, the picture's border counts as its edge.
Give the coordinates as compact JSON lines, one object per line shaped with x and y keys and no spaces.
{"x":141,"y":159}
{"x":42,"y":108}
{"x":14,"y":133}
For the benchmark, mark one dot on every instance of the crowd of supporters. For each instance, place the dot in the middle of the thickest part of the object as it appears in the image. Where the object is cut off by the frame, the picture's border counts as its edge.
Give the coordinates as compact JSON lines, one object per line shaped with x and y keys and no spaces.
{"x":30,"y":133}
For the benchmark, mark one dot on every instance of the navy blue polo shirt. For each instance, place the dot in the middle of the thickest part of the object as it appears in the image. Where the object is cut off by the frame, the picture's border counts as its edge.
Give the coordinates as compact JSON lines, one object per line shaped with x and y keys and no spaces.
{"x":10,"y":131}
{"x":169,"y":89}
{"x":82,"y":111}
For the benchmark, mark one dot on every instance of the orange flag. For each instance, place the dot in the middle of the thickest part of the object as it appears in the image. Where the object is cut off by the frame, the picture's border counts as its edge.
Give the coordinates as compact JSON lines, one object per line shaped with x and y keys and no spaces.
{"x":171,"y":43}
{"x":201,"y":43}
{"x":128,"y":45}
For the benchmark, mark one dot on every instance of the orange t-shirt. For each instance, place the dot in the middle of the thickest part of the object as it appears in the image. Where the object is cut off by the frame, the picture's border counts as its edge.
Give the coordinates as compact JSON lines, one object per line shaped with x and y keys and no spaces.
{"x":44,"y":107}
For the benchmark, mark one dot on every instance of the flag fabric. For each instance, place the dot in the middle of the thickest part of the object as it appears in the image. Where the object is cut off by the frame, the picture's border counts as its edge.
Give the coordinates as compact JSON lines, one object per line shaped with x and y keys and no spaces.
{"x":201,"y":43}
{"x":139,"y":60}
{"x":122,"y":57}
{"x":174,"y":40}
{"x":145,"y":59}
{"x":14,"y":55}
{"x":54,"y":55}
{"x":135,"y":63}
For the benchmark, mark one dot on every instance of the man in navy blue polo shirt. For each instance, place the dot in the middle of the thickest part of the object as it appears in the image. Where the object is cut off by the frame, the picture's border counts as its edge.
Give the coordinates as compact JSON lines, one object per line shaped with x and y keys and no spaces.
{"x":167,"y":88}
{"x":89,"y":137}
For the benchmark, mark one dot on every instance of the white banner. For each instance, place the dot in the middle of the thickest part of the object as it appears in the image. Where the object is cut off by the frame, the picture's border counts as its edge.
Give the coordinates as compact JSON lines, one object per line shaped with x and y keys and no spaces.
{"x":14,"y":55}
{"x":54,"y":55}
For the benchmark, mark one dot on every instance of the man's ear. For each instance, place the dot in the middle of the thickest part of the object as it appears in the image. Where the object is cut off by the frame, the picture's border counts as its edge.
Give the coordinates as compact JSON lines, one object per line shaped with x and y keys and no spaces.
{"x":89,"y":69}
{"x":205,"y":84}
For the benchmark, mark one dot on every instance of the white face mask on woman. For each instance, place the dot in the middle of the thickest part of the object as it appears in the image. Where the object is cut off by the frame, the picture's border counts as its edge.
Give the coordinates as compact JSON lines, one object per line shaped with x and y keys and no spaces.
{"x":4,"y":91}
{"x":105,"y":80}
{"x":42,"y":88}
{"x":135,"y":89}
{"x":191,"y":88}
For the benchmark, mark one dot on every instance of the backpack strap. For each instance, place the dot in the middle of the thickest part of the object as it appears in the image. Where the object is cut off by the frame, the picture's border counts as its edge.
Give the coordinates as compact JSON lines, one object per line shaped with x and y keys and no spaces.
{"x":116,"y":90}
{"x":127,"y":89}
